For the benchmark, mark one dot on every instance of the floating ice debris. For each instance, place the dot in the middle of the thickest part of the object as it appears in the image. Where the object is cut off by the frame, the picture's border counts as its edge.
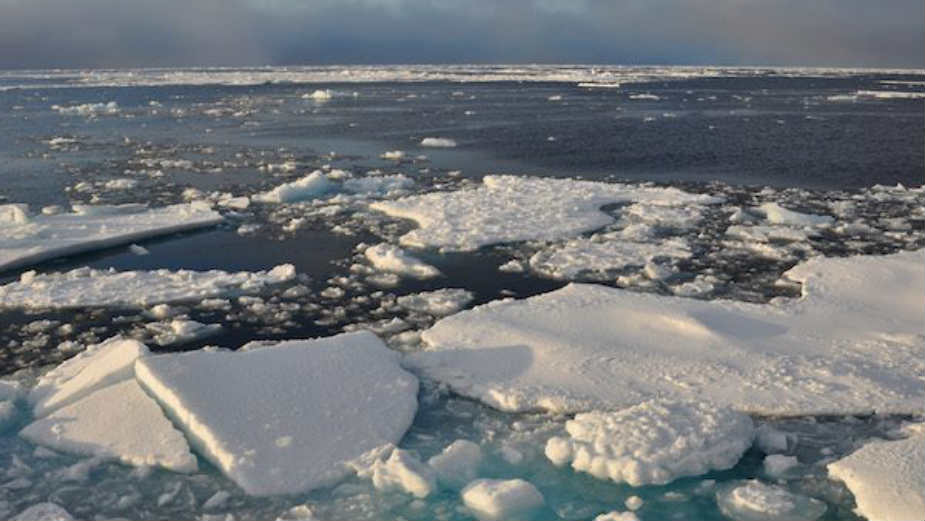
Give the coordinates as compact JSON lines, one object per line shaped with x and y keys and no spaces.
{"x":438,"y":142}
{"x":44,"y":512}
{"x":89,"y":287}
{"x":890,"y":94}
{"x":88,"y":109}
{"x":778,"y":465}
{"x":319,"y":95}
{"x":27,"y":240}
{"x":393,"y":154}
{"x":120,"y":184}
{"x":438,"y":303}
{"x":458,"y":464}
{"x":598,"y":85}
{"x":887,"y":478}
{"x":617,"y":516}
{"x":138,"y":249}
{"x":777,"y":214}
{"x":313,"y":185}
{"x":645,"y":96}
{"x":118,"y":422}
{"x":402,"y":472}
{"x":600,"y":254}
{"x":180,"y":331}
{"x":392,"y":259}
{"x":99,"y":366}
{"x":757,"y":501}
{"x":379,"y":185}
{"x":511,"y":208}
{"x":235,"y":203}
{"x":493,"y":499}
{"x":850,"y":344}
{"x":655,"y":442}
{"x":286,"y":418}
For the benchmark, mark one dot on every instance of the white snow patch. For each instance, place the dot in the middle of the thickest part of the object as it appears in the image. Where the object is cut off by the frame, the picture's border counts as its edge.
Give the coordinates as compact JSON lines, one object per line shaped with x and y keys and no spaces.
{"x":392,"y":259}
{"x":757,"y":501}
{"x":438,"y":303}
{"x":311,"y":186}
{"x":180,"y":330}
{"x":492,"y":499}
{"x":438,"y":142}
{"x":600,"y":254}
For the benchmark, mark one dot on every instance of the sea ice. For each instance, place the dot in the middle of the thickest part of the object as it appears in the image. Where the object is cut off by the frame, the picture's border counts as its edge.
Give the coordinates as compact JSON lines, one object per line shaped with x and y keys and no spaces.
{"x":438,"y":303}
{"x":493,"y":499}
{"x":44,"y":512}
{"x":851,"y":344}
{"x":654,"y":442}
{"x":756,"y":501}
{"x":390,"y":258}
{"x":319,"y":95}
{"x":311,"y":186}
{"x":458,"y":464}
{"x":31,"y":239}
{"x":402,"y":472}
{"x":89,"y":287}
{"x":286,"y":418}
{"x":887,"y":478}
{"x":379,"y":185}
{"x":88,"y":109}
{"x":778,"y":465}
{"x":601,"y":254}
{"x":180,"y":330}
{"x":119,"y":422}
{"x":617,"y":516}
{"x":438,"y":142}
{"x":512,"y":208}
{"x":777,"y":214}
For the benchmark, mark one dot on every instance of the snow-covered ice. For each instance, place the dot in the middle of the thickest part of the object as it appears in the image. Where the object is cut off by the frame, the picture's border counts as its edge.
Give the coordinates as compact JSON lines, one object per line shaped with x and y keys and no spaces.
{"x":286,"y":418}
{"x":44,"y":512}
{"x":438,"y":142}
{"x":180,"y":330}
{"x":88,"y":109}
{"x":493,"y":499}
{"x":458,"y":463}
{"x":512,"y":208}
{"x":777,"y":214}
{"x":757,"y":501}
{"x":119,"y":422}
{"x":887,"y":478}
{"x":31,"y":239}
{"x":311,"y":186}
{"x":89,"y":287}
{"x":654,"y":442}
{"x":379,"y":185}
{"x":392,"y":259}
{"x":438,"y":303}
{"x":402,"y":472}
{"x":617,"y":516}
{"x":851,"y":344}
{"x":601,"y":254}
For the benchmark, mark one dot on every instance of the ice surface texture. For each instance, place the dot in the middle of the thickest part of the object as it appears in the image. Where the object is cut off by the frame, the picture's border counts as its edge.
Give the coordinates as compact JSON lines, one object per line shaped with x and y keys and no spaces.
{"x":852,"y":343}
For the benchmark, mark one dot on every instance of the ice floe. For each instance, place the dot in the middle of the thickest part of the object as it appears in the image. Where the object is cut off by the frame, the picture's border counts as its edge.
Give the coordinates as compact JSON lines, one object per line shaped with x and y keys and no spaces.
{"x":313,"y":185}
{"x":756,"y":501}
{"x":458,"y":463}
{"x":89,"y":287}
{"x":437,"y":303}
{"x":289,"y":417}
{"x":438,"y":142}
{"x":654,"y":442}
{"x":601,"y":254}
{"x":88,"y":109}
{"x":392,"y":259}
{"x":496,"y":500}
{"x":27,"y":239}
{"x":402,"y":472}
{"x":44,"y":512}
{"x":851,"y":343}
{"x":887,"y":478}
{"x":511,"y":208}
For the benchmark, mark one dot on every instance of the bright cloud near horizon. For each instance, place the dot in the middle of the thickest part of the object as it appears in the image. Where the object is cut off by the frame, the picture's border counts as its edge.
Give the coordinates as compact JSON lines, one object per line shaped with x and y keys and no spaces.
{"x":138,"y":33}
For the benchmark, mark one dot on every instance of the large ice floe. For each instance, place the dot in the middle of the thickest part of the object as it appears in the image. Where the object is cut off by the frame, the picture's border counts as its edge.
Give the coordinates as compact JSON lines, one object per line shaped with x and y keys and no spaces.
{"x":286,"y":418}
{"x":887,"y":478}
{"x":851,"y":344}
{"x":511,"y":208}
{"x":26,"y":239}
{"x":89,"y":287}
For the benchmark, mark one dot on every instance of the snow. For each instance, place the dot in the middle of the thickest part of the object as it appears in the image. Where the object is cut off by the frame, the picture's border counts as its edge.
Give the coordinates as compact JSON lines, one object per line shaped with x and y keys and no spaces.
{"x":402,"y":472}
{"x":44,"y":512}
{"x":757,"y":501}
{"x":850,"y":344}
{"x":311,"y":186}
{"x":44,"y":237}
{"x":98,"y":366}
{"x":392,"y":259}
{"x":511,"y":208}
{"x":492,"y":499}
{"x":777,"y":214}
{"x":655,"y":442}
{"x":119,"y":422}
{"x":89,"y":287}
{"x":439,"y":303}
{"x":438,"y":142}
{"x":286,"y":418}
{"x":887,"y":478}
{"x":457,"y":464}
{"x":600,"y":254}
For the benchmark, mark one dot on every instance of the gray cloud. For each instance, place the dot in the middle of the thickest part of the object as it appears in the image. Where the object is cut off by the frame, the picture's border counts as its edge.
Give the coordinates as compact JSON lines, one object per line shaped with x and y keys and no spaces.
{"x":99,"y":33}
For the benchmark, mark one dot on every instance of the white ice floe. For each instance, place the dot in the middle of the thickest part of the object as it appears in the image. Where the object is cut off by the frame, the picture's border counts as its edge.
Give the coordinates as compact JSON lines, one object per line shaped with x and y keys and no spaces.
{"x":438,"y":303}
{"x":119,"y":422}
{"x":890,"y":94}
{"x":88,"y":109}
{"x":438,"y":142}
{"x":379,"y":185}
{"x":99,"y":366}
{"x":512,"y":208}
{"x":392,"y":259}
{"x":402,"y":472}
{"x":778,"y":466}
{"x":887,"y":478}
{"x":89,"y":287}
{"x":602,"y":253}
{"x":44,"y":512}
{"x":395,"y":155}
{"x":756,"y":501}
{"x":30,"y":239}
{"x":286,"y":418}
{"x":319,"y":95}
{"x":777,"y":214}
{"x":851,"y":344}
{"x":180,"y":330}
{"x":645,"y":96}
{"x":458,"y":464}
{"x":654,"y":442}
{"x":311,"y":186}
{"x":493,"y":499}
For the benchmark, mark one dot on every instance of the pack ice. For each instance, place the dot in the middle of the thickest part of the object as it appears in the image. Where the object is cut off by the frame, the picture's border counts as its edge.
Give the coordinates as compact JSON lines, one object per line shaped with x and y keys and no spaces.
{"x":26,"y":239}
{"x":851,"y":343}
{"x":512,"y":208}
{"x":286,"y":418}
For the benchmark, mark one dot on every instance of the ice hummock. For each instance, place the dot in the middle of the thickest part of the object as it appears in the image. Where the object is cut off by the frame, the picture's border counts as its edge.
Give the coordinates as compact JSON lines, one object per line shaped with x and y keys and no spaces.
{"x":289,"y":417}
{"x":497,"y":500}
{"x":392,"y":259}
{"x":312,"y":185}
{"x":28,"y":239}
{"x":850,"y":344}
{"x":85,"y":286}
{"x":512,"y":208}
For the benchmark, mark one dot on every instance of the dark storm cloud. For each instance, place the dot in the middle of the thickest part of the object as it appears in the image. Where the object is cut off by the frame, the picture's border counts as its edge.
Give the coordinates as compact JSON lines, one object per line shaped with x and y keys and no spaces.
{"x":93,"y":33}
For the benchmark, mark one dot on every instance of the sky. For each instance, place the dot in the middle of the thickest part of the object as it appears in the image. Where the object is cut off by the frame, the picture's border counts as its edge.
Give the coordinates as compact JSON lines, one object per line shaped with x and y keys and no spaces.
{"x":146,"y":33}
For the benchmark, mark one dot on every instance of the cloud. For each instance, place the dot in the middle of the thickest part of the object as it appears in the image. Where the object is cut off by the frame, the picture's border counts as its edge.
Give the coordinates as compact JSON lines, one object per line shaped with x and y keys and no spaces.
{"x":95,"y":33}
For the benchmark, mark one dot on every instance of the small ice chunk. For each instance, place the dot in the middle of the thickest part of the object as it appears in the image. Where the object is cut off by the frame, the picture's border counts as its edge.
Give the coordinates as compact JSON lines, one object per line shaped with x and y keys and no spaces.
{"x":770,"y":440}
{"x":180,"y":331}
{"x":757,"y":501}
{"x":138,"y":250}
{"x":390,"y":258}
{"x":403,"y":472}
{"x":778,"y":465}
{"x":438,"y":303}
{"x":119,"y":422}
{"x":633,"y":503}
{"x":319,"y":95}
{"x":44,"y":512}
{"x":458,"y":464}
{"x":777,"y":214}
{"x":395,"y":155}
{"x":7,"y":413}
{"x":311,"y":186}
{"x":512,"y":266}
{"x":378,"y":185}
{"x":617,"y":516}
{"x":120,"y":184}
{"x":14,"y":213}
{"x":438,"y":142}
{"x":492,"y":499}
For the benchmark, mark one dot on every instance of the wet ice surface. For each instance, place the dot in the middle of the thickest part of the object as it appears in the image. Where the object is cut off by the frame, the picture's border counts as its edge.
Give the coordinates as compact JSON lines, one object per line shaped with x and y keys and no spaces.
{"x":819,"y":140}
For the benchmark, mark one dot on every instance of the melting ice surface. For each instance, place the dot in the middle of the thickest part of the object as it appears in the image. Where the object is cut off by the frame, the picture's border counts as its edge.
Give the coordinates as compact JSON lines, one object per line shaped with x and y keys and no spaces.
{"x":593,"y":392}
